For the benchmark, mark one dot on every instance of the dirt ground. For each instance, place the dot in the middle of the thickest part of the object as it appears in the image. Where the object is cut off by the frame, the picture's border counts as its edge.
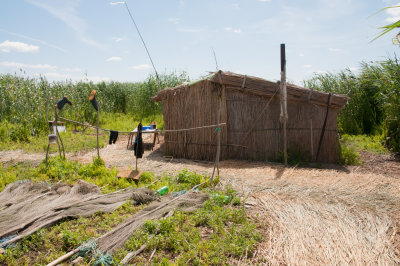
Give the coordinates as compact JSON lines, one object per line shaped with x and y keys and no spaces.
{"x":327,"y":215}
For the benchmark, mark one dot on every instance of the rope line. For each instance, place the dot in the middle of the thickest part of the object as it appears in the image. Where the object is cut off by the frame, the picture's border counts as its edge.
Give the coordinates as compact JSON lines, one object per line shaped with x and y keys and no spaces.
{"x":193,"y":128}
{"x":130,"y":132}
{"x":94,"y":127}
{"x":144,"y":44}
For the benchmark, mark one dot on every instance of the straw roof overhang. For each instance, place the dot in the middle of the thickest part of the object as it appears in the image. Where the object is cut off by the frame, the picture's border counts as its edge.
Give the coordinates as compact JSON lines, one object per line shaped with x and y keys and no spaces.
{"x":261,"y":87}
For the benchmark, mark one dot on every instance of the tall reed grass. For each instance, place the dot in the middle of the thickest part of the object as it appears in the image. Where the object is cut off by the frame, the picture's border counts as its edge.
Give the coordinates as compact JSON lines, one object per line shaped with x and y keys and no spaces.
{"x":374,"y":105}
{"x":26,"y":104}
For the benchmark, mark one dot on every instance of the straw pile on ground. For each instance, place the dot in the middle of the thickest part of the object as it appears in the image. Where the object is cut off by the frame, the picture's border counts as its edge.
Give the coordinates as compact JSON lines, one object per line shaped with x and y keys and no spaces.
{"x":25,"y":207}
{"x":250,"y":107}
{"x":324,"y":217}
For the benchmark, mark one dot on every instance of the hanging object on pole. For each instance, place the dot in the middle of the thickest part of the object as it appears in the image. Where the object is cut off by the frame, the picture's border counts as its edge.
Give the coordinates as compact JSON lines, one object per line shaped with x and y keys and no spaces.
{"x":283,"y":101}
{"x":56,"y":138}
{"x":52,"y":139}
{"x":138,"y":150}
{"x":138,"y":144}
{"x":60,"y":104}
{"x":92,"y":99}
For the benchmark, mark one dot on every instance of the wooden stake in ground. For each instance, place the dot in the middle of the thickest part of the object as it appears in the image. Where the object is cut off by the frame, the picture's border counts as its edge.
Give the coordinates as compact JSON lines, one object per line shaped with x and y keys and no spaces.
{"x":97,"y":133}
{"x":283,"y":94}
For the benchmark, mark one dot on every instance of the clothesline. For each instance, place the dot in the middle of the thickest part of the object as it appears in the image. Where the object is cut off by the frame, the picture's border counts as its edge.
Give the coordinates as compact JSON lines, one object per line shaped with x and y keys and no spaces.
{"x":130,"y":132}
{"x":193,"y":128}
{"x":94,"y":127}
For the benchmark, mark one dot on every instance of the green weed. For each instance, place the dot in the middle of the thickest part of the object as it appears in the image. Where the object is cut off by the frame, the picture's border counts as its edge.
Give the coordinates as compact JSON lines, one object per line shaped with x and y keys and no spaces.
{"x":65,"y":171}
{"x":213,"y":234}
{"x":48,"y":244}
{"x":373,"y":144}
{"x":348,"y":156}
{"x":210,"y":235}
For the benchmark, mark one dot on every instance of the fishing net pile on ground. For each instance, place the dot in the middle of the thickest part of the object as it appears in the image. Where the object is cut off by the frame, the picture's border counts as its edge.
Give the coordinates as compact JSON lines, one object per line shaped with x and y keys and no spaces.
{"x":117,"y":238}
{"x":25,"y":207}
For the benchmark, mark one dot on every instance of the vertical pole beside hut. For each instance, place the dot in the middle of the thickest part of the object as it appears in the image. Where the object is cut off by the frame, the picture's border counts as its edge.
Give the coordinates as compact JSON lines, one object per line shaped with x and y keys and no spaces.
{"x":283,"y":94}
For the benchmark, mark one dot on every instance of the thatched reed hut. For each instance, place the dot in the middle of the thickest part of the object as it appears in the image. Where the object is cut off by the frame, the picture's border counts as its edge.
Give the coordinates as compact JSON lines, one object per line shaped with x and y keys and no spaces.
{"x":250,"y":107}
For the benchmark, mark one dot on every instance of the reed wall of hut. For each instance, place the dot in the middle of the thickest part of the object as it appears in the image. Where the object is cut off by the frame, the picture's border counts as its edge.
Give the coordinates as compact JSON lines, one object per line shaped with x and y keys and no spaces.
{"x":189,"y":107}
{"x":253,"y":130}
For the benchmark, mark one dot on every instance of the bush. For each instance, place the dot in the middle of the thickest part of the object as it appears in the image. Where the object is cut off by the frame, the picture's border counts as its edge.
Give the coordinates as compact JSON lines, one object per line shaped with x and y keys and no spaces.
{"x":187,"y":177}
{"x":147,"y":177}
{"x":348,"y":156}
{"x":374,"y":104}
{"x":69,"y":239}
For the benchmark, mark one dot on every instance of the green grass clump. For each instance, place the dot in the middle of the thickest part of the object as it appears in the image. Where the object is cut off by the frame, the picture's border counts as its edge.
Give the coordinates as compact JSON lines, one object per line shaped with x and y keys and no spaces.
{"x":65,"y":171}
{"x":48,"y":244}
{"x":348,"y":156}
{"x":214,"y":234}
{"x":73,"y":142}
{"x":184,"y":180}
{"x":147,"y":177}
{"x":352,"y":145}
{"x":373,"y":144}
{"x":211,"y":235}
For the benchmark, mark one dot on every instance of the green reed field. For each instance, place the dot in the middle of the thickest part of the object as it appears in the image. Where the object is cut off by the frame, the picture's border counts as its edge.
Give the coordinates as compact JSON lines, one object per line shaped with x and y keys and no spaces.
{"x":374,"y":105}
{"x":26,"y":104}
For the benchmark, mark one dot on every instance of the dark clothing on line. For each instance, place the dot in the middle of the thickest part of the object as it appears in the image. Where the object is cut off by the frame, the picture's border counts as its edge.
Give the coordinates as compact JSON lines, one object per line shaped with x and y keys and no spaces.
{"x":138,"y":145}
{"x":60,"y":104}
{"x":113,"y":137}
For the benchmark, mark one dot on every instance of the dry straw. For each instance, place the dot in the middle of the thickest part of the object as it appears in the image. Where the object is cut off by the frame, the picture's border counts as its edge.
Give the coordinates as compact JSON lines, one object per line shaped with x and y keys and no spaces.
{"x":323,"y":217}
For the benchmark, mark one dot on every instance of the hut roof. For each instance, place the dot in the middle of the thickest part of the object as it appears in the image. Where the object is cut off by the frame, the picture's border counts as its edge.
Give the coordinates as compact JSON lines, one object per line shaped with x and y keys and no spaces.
{"x":258,"y":86}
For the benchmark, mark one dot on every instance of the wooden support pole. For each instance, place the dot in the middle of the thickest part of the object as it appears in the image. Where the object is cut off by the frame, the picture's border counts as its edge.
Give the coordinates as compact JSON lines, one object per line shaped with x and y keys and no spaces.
{"x":321,"y":138}
{"x":47,"y":153}
{"x":58,"y":134}
{"x":310,"y":113}
{"x":216,"y":163}
{"x":137,"y":149}
{"x":284,"y":114}
{"x":97,"y":133}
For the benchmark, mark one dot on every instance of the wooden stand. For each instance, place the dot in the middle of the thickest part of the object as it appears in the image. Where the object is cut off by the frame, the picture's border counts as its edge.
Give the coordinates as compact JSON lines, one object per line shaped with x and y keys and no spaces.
{"x":130,"y":174}
{"x":58,"y":137}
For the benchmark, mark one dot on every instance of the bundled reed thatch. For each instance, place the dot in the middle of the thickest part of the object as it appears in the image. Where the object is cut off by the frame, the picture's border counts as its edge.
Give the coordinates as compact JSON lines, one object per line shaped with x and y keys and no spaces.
{"x":26,"y":207}
{"x":253,"y":129}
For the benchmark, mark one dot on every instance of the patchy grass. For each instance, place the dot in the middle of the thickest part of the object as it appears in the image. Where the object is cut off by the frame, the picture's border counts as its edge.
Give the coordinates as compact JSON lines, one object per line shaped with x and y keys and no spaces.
{"x":73,"y":142}
{"x":218,"y":233}
{"x":348,"y":155}
{"x":74,"y":139}
{"x":66,"y":171}
{"x":352,"y":145}
{"x":96,"y":173}
{"x":372,"y":144}
{"x":48,"y":244}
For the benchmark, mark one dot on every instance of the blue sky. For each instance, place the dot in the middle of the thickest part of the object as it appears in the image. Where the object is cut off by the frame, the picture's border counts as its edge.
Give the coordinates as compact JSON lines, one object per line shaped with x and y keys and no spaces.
{"x":70,"y":39}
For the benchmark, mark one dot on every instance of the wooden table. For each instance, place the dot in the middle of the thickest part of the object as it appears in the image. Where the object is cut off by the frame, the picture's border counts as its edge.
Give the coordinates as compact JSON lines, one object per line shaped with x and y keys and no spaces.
{"x":148,"y":131}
